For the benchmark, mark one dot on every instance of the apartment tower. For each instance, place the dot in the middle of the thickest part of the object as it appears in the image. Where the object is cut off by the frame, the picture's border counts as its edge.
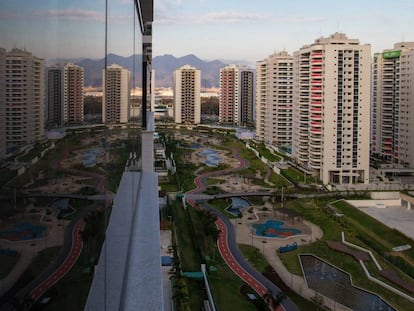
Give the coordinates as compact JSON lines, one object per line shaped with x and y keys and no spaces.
{"x":393,"y":105}
{"x":236,"y":95}
{"x":116,"y":95}
{"x":2,"y":103}
{"x":72,"y":94}
{"x":25,"y":98}
{"x":274,"y":97}
{"x":55,"y":96}
{"x":331,"y":116}
{"x":187,"y":102}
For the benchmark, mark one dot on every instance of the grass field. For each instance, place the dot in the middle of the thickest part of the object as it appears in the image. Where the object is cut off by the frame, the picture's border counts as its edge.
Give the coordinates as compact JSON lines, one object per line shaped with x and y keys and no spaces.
{"x":332,"y":228}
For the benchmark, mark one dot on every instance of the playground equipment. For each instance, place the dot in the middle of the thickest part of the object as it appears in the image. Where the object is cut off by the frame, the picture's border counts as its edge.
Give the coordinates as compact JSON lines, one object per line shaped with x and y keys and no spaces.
{"x":288,"y":247}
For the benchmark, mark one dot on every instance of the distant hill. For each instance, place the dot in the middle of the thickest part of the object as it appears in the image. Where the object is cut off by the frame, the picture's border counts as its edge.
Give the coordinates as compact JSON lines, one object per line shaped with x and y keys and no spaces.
{"x":164,"y":67}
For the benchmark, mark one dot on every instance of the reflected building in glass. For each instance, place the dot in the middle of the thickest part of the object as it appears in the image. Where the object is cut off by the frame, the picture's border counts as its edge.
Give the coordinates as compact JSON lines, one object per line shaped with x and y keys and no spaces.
{"x":65,"y":95}
{"x":24,"y":98}
{"x":2,"y":103}
{"x":116,"y":94}
{"x":54,"y":96}
{"x":72,"y":94}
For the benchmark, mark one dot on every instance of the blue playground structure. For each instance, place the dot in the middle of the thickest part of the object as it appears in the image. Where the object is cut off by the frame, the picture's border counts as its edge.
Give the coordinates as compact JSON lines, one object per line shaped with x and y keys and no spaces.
{"x":288,"y":247}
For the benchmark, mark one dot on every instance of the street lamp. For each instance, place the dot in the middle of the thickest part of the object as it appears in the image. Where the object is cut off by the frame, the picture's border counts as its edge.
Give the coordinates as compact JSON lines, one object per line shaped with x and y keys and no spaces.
{"x":264,"y":242}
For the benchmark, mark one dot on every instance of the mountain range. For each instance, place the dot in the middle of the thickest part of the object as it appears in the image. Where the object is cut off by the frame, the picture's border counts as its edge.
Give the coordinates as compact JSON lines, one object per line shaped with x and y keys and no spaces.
{"x":164,"y":67}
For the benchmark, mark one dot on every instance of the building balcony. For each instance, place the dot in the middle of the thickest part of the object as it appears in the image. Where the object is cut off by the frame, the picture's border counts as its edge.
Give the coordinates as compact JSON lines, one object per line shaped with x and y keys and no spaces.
{"x":315,"y":164}
{"x":316,"y":82}
{"x":316,"y":54}
{"x":315,"y":153}
{"x":316,"y":75}
{"x":315,"y":138}
{"x":316,"y":96}
{"x":316,"y":69}
{"x":316,"y":117}
{"x":315,"y":124}
{"x":316,"y":131}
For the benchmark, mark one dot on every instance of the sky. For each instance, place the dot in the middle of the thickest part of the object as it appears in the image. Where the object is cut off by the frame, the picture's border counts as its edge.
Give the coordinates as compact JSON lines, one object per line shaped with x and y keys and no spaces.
{"x":210,"y":29}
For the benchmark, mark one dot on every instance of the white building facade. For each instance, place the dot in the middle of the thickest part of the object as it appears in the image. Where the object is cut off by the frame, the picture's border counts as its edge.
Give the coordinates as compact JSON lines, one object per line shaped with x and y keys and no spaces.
{"x":274,"y":98}
{"x":187,"y":100}
{"x":116,"y":95}
{"x":392,"y":109}
{"x":331,"y":116}
{"x":72,"y":94}
{"x":24,"y":98}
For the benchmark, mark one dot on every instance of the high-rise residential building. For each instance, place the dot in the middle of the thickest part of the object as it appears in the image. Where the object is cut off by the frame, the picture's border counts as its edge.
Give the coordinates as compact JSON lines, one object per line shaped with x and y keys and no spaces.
{"x":116,"y":94}
{"x":392,"y":108}
{"x":25,"y":98}
{"x":187,"y":102}
{"x":54,"y":96}
{"x":72,"y":94}
{"x":274,"y":97}
{"x":236,"y":95}
{"x":64,"y":95}
{"x":2,"y":103}
{"x":331,"y":117}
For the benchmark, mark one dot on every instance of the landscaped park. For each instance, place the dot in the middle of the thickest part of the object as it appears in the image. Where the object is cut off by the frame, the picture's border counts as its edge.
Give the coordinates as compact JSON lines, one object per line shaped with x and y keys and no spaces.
{"x":315,"y":224}
{"x":37,"y":220}
{"x":302,"y":239}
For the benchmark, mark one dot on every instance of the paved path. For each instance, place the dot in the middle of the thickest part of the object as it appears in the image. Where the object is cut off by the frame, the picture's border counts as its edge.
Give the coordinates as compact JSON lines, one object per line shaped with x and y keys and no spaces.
{"x":295,"y":282}
{"x":228,"y":247}
{"x":71,"y":248}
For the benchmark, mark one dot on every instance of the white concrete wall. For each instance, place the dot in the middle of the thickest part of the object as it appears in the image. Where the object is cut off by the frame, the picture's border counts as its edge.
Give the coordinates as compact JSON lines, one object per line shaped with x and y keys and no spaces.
{"x":373,"y":203}
{"x":385,"y":195}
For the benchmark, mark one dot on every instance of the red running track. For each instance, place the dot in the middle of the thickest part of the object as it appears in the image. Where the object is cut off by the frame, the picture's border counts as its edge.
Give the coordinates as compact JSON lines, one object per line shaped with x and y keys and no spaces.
{"x":222,"y":241}
{"x":75,"y":251}
{"x":225,"y":253}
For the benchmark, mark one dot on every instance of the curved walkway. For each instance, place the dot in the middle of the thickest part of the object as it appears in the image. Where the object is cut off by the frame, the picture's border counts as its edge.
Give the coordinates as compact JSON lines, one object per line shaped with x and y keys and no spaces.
{"x":228,"y":246}
{"x":71,"y":248}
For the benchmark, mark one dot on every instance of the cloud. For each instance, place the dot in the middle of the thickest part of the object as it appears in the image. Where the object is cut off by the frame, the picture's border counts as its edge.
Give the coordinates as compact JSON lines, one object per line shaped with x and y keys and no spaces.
{"x":171,"y":16}
{"x":233,"y":17}
{"x":300,"y":19}
{"x":215,"y":17}
{"x":164,"y":6}
{"x":71,"y":15}
{"x":6,"y":14}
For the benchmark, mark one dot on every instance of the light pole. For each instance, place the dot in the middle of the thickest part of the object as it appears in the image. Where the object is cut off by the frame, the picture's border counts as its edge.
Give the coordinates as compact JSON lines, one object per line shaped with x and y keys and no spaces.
{"x":264,"y":242}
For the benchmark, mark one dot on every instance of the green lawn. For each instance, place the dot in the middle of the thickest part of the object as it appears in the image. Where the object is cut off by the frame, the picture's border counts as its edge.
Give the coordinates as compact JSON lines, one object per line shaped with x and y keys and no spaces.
{"x":332,"y":228}
{"x":266,"y":153}
{"x":254,"y":256}
{"x":225,"y":286}
{"x":221,"y":205}
{"x":7,"y":264}
{"x":374,"y":229}
{"x":72,"y":289}
{"x":190,"y":258}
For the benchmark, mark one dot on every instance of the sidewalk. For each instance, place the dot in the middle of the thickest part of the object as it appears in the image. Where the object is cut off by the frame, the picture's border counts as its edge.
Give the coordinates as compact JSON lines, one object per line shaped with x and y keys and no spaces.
{"x":29,"y":249}
{"x":295,"y":282}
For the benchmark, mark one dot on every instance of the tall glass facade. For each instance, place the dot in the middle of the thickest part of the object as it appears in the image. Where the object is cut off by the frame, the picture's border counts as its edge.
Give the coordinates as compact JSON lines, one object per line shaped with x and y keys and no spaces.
{"x":58,"y":177}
